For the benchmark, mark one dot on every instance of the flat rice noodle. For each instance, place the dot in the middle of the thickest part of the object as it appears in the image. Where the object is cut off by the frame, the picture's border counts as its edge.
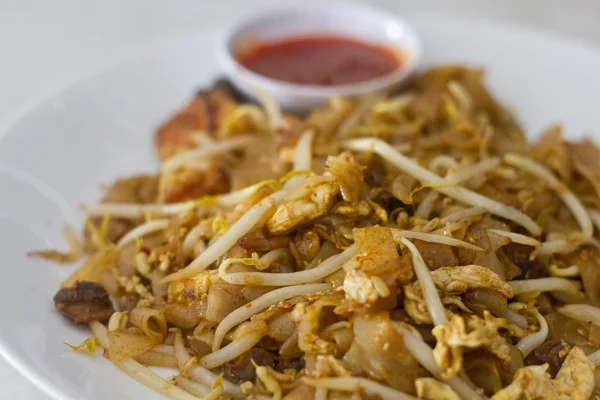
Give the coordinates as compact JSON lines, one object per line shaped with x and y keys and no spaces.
{"x":337,"y":278}
{"x":489,"y":372}
{"x":156,"y":359}
{"x":507,"y":139}
{"x":281,"y":327}
{"x":436,"y":255}
{"x":477,"y":234}
{"x":561,"y":220}
{"x":586,"y":157}
{"x":222,"y":299}
{"x":585,"y":152}
{"x":497,"y":192}
{"x":511,"y":270}
{"x":290,"y":348}
{"x":574,"y":332}
{"x":402,"y":188}
{"x":378,"y":255}
{"x":253,"y":292}
{"x":258,"y":242}
{"x":479,"y":300}
{"x":259,"y":163}
{"x":377,"y":174}
{"x":588,"y":261}
{"x":537,"y":200}
{"x":199,"y":347}
{"x":342,"y":337}
{"x":553,"y":151}
{"x":497,"y":241}
{"x":587,"y":190}
{"x":378,"y":351}
{"x":128,"y":345}
{"x":185,"y":316}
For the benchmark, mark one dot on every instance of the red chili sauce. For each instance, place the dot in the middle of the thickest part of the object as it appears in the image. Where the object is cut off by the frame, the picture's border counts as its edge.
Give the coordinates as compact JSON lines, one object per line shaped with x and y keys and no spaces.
{"x":321,"y":60}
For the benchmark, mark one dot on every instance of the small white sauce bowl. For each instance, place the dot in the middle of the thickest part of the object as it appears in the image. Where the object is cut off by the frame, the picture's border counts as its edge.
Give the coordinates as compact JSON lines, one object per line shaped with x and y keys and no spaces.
{"x":348,"y":20}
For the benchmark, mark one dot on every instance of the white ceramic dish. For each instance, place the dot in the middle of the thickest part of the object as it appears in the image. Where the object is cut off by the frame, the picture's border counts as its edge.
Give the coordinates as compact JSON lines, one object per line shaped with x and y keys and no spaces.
{"x":350,"y":20}
{"x":59,"y":153}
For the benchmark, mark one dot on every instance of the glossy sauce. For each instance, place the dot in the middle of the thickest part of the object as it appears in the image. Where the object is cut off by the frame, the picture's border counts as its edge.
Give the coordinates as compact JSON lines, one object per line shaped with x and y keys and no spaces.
{"x":321,"y":60}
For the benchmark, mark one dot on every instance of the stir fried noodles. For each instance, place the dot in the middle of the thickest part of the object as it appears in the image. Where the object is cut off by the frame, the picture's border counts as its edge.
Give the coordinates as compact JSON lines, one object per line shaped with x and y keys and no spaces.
{"x":412,"y":245}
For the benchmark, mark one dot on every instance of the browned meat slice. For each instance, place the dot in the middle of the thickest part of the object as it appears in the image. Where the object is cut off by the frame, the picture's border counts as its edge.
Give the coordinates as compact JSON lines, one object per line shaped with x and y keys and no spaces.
{"x":189,"y":184}
{"x":552,"y":352}
{"x":203,"y":113}
{"x":84,"y":302}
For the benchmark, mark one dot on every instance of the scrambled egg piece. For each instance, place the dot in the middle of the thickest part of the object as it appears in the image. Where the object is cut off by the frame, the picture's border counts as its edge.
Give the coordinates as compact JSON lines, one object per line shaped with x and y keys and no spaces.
{"x":348,"y":181}
{"x":416,"y":307}
{"x":297,"y":212}
{"x":364,"y":289}
{"x":574,"y":381}
{"x":534,"y":382}
{"x":450,"y":282}
{"x":432,"y":389}
{"x":457,"y":280}
{"x":349,"y":175}
{"x":577,"y":371}
{"x":378,"y":268}
{"x":455,"y":336}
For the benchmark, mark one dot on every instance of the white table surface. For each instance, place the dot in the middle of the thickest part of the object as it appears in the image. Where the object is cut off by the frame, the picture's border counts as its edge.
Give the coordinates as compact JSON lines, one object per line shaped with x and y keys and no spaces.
{"x":45,"y":44}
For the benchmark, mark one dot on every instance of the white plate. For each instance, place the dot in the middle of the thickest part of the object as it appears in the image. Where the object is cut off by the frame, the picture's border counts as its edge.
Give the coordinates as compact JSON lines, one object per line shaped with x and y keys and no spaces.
{"x":101,"y":128}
